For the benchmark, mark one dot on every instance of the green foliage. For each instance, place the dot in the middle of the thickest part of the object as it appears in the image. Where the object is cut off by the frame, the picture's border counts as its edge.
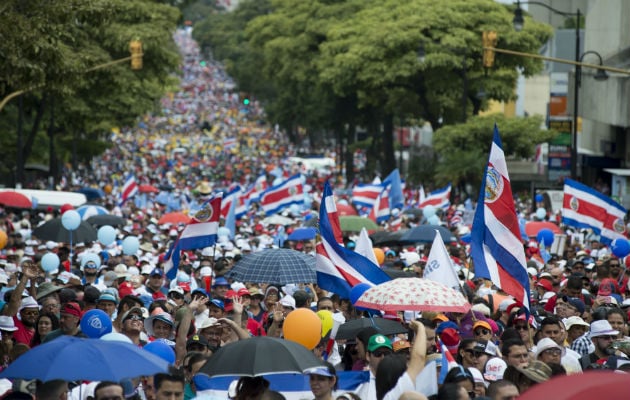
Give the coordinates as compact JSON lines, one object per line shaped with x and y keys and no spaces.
{"x":54,"y":45}
{"x":463,"y":148}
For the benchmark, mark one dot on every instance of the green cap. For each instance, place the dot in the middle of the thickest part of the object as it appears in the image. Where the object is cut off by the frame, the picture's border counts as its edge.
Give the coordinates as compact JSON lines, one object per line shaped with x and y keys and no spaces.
{"x":378,"y":341}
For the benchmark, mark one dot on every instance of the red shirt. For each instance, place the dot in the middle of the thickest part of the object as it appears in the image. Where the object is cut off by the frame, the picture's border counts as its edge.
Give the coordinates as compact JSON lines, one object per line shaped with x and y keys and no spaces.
{"x":23,"y":334}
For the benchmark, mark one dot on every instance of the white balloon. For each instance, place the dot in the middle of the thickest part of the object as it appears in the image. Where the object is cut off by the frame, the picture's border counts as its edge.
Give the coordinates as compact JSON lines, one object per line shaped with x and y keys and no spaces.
{"x":541,"y":213}
{"x":71,"y":220}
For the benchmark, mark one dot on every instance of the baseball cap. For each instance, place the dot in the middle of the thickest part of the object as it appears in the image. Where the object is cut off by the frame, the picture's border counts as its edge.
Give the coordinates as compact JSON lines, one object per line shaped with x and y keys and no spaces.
{"x":107,"y":297}
{"x":482,"y":324}
{"x":218,"y":303}
{"x":401,"y":344}
{"x":495,"y":367}
{"x":575,"y":302}
{"x":197,"y":339}
{"x":377,"y":341}
{"x":322,"y":371}
{"x":288,"y":301}
{"x":220,"y":281}
{"x":156,"y":272}
{"x":72,"y":309}
{"x":484,"y":346}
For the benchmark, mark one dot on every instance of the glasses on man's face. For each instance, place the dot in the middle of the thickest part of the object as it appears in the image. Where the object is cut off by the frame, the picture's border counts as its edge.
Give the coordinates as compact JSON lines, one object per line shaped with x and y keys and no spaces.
{"x":30,"y":312}
{"x":381,"y":353}
{"x":176,"y":296}
{"x":480,"y":332}
{"x":134,"y":317}
{"x":553,"y":352}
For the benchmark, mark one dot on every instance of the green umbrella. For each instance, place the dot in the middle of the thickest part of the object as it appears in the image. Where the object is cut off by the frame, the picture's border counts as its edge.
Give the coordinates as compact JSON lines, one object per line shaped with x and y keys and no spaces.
{"x":352,"y":223}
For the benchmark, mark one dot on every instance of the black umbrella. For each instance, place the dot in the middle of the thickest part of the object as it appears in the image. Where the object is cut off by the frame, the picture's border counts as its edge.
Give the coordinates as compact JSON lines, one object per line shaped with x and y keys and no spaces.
{"x":416,"y":212}
{"x":260,"y":356}
{"x":102,"y":220}
{"x":350,"y":329}
{"x":54,"y":230}
{"x":426,"y":234}
{"x":384,"y":238}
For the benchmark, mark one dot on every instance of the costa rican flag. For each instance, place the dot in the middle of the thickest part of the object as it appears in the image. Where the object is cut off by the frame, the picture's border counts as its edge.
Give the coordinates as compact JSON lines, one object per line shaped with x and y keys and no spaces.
{"x":448,"y":362}
{"x":365,"y":195}
{"x":200,"y":232}
{"x":496,"y":246}
{"x":339,"y":269}
{"x":258,"y":188}
{"x":381,"y":212}
{"x":231,"y":196}
{"x":129,"y":189}
{"x":281,"y":196}
{"x":439,"y":198}
{"x":584,"y":207}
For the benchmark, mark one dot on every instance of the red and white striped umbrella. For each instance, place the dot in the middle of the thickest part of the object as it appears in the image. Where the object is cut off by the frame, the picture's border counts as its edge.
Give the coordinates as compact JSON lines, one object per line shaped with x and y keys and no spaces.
{"x":413,"y":294}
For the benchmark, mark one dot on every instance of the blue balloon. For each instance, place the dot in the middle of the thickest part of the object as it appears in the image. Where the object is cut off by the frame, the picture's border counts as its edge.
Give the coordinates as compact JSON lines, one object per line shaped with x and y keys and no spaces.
{"x":620,"y":247}
{"x":130,"y":245}
{"x":87,"y":257}
{"x":357,"y":291}
{"x":96,"y":323}
{"x":106,"y":235}
{"x":539,"y":198}
{"x":428,"y":211}
{"x":162,"y":350}
{"x":50,"y":262}
{"x":71,"y":220}
{"x":545,"y":235}
{"x":541,"y":213}
{"x":434,"y":220}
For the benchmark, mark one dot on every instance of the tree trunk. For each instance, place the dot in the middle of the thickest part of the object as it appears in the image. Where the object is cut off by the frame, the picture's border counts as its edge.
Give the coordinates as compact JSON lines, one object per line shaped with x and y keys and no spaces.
{"x":349,"y":156}
{"x":388,"y":144}
{"x":28,"y":146}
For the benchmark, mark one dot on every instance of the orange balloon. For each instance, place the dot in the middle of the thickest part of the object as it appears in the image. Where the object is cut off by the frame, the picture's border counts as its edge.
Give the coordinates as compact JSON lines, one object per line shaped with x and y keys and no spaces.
{"x":380,"y":255}
{"x":3,"y":239}
{"x":108,"y":189}
{"x":304,"y":327}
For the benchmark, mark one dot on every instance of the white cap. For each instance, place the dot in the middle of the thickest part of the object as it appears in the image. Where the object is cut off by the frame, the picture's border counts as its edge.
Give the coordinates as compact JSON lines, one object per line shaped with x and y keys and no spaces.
{"x":410,"y":257}
{"x":205,"y":271}
{"x":288,"y":301}
{"x":495,"y":367}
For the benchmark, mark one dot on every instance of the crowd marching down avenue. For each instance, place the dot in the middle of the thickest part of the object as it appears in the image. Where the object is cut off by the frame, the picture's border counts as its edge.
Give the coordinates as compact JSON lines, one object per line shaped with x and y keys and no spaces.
{"x":207,"y":257}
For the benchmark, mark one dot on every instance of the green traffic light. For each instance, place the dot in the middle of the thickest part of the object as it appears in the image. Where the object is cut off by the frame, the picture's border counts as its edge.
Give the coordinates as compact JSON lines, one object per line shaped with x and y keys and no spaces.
{"x":246,"y":102}
{"x":203,"y":63}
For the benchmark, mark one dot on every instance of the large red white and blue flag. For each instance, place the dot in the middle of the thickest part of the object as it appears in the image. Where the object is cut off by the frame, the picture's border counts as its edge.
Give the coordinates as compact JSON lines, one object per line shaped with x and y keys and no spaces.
{"x":365,"y":195}
{"x":339,"y":269}
{"x":228,"y":198}
{"x":585,"y":207}
{"x":438,"y":198}
{"x":201,"y":231}
{"x":258,"y":188}
{"x":381,"y":211}
{"x":129,"y":189}
{"x":281,"y":196}
{"x":496,"y":246}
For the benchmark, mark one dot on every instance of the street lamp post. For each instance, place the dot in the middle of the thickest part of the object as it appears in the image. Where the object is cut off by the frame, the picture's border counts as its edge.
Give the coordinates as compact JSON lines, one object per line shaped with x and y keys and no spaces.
{"x":518,"y":23}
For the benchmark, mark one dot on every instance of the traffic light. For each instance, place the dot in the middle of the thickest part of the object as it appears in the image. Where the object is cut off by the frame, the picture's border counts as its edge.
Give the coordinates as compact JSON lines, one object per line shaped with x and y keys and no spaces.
{"x":135,"y":48}
{"x":246,"y":101}
{"x":489,"y":39}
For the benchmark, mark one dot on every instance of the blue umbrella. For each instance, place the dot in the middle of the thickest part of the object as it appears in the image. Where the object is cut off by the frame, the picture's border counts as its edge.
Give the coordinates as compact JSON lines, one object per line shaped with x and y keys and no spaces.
{"x":281,"y":266}
{"x":71,"y":359}
{"x":91,"y":193}
{"x":303,"y":234}
{"x":90,"y":210}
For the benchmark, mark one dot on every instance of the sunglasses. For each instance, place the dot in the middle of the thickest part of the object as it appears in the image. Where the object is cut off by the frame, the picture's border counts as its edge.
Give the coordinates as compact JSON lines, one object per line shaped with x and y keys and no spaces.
{"x":135,"y":317}
{"x":381,"y":353}
{"x":475,"y":354}
{"x":521,"y":327}
{"x":482,"y":332}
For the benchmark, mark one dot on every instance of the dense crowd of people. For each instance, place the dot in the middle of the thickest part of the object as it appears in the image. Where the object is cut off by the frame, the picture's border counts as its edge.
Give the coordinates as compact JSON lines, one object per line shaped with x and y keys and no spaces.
{"x":205,"y":140}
